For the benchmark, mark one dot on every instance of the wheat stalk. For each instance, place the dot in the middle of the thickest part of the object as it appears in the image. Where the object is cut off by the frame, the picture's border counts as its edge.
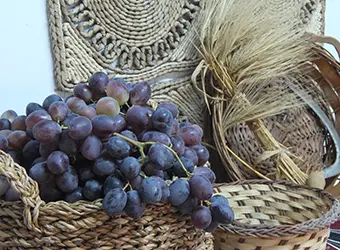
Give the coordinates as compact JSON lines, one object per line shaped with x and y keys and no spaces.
{"x":251,"y":54}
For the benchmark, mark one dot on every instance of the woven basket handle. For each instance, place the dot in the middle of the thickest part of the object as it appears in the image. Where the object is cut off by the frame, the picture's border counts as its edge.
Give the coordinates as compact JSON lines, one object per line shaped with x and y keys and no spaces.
{"x":328,"y":67}
{"x":25,"y":186}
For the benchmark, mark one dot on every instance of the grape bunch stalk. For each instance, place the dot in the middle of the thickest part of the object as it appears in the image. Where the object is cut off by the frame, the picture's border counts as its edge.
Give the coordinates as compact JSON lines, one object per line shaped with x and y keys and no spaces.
{"x":105,"y":142}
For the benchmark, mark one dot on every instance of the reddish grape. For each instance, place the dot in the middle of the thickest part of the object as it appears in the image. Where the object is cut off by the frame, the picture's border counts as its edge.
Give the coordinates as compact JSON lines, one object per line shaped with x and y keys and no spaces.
{"x":35,"y":117}
{"x":174,"y":127}
{"x":161,"y":156}
{"x":30,"y":152}
{"x":201,"y":217}
{"x":119,"y":123}
{"x":5,"y":124}
{"x":162,"y":120}
{"x":51,"y":99}
{"x":107,"y":106}
{"x":10,"y":115}
{"x":177,"y":144}
{"x":191,"y":135}
{"x":5,"y":132}
{"x":155,"y":136}
{"x":98,"y":82}
{"x":87,"y":111}
{"x":83,"y":91}
{"x":58,"y":111}
{"x":103,"y":126}
{"x":46,"y":131}
{"x":138,"y":118}
{"x":207,"y":172}
{"x":201,"y":187}
{"x":140,"y":94}
{"x":3,"y":143}
{"x":91,"y":147}
{"x":79,"y":128}
{"x":68,"y":181}
{"x":75,"y":103}
{"x":15,"y":154}
{"x":19,"y":123}
{"x":40,"y":173}
{"x":117,"y":90}
{"x":57,"y":162}
{"x":17,"y":139}
{"x":190,"y":154}
{"x":69,"y":118}
{"x":32,"y":106}
{"x":170,"y":106}
{"x":45,"y":149}
{"x":67,"y":144}
{"x":202,"y":154}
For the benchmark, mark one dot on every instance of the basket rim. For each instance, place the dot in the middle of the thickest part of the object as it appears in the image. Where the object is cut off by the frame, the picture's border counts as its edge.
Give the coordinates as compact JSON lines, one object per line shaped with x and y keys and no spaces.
{"x":269,"y":231}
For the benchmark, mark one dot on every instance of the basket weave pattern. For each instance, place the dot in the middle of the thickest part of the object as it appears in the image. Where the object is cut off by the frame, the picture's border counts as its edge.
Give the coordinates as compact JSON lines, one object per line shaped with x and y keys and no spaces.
{"x":276,"y":215}
{"x":33,"y":224}
{"x":299,"y":131}
{"x":141,"y":40}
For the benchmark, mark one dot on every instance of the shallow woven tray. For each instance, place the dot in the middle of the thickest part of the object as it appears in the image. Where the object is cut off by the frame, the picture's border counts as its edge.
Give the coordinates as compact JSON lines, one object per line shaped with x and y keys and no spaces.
{"x":33,"y":224}
{"x":276,"y":215}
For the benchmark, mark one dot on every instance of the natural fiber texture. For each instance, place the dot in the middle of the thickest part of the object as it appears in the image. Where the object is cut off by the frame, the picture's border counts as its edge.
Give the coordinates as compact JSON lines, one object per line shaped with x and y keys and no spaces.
{"x":276,"y":215}
{"x":33,"y":224}
{"x":144,"y":41}
{"x":299,"y":130}
{"x":248,"y":72}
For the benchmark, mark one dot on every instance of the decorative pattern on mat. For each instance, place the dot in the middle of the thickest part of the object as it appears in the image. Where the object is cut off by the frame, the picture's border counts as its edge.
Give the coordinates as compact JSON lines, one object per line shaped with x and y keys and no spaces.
{"x":140,"y":40}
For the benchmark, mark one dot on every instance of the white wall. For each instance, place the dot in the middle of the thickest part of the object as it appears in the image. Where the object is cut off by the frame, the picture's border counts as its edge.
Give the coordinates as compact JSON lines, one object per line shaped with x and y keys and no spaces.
{"x":26,"y":72}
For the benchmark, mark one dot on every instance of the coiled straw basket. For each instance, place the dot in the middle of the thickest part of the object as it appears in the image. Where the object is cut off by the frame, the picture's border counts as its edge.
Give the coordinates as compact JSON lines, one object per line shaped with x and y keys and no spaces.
{"x":276,"y":215}
{"x":32,"y":224}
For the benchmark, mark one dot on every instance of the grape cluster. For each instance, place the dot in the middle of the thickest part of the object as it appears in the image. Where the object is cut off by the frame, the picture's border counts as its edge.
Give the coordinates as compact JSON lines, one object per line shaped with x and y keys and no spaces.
{"x":104,"y":141}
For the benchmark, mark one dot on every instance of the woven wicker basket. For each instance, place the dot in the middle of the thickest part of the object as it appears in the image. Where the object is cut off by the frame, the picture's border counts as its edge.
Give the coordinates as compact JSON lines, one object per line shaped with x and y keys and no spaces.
{"x":276,"y":215}
{"x":32,"y":224}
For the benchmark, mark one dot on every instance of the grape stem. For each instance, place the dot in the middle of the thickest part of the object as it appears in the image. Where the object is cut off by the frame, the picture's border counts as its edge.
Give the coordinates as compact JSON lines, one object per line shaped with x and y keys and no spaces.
{"x":127,"y":185}
{"x":208,"y":203}
{"x":143,"y":175}
{"x":64,"y":127}
{"x":139,"y":145}
{"x":142,"y":145}
{"x":176,"y":156}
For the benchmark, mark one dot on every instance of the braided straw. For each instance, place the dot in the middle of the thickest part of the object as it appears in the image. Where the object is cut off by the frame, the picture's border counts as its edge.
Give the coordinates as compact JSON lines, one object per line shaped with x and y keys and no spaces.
{"x":33,"y":224}
{"x":276,"y":215}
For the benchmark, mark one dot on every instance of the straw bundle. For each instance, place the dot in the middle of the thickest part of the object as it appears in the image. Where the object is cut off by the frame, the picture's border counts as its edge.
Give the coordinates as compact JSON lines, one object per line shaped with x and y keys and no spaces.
{"x":250,"y":65}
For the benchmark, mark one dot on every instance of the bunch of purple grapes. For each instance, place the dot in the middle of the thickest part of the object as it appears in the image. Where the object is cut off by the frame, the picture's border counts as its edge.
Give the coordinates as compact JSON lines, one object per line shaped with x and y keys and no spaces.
{"x":105,"y":142}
